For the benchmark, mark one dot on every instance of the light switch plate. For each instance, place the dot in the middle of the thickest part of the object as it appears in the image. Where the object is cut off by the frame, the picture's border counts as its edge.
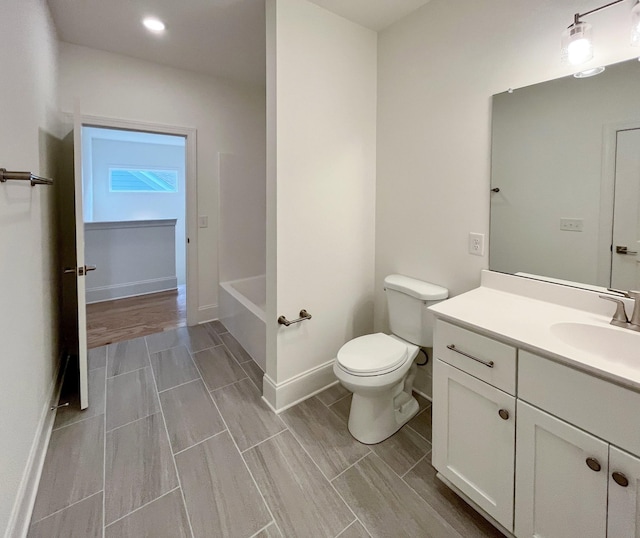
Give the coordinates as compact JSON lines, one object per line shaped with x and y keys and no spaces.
{"x":203,"y":222}
{"x":476,"y":244}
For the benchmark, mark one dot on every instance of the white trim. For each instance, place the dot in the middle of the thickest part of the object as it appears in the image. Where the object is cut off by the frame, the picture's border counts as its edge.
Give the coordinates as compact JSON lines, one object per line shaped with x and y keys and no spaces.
{"x":607,"y":186}
{"x":20,"y":517}
{"x":191,"y":194}
{"x":117,"y":224}
{"x":130,"y":289}
{"x":282,"y":396}
{"x":207,"y":313}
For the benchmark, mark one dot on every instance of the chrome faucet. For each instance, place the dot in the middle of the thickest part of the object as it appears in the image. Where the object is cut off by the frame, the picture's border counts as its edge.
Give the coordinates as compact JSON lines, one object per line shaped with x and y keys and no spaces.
{"x":620,"y":317}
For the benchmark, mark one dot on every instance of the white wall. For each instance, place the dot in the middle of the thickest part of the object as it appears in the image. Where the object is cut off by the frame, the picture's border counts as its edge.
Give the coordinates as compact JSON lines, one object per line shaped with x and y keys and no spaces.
{"x":437,"y":71}
{"x":229,"y":118}
{"x":133,"y":257}
{"x":242,"y":218}
{"x":321,"y":174}
{"x":29,"y":272}
{"x":114,"y":206}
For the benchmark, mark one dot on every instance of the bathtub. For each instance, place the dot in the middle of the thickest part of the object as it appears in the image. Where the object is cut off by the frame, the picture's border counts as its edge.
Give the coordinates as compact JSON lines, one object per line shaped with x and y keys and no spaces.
{"x":242,"y":305}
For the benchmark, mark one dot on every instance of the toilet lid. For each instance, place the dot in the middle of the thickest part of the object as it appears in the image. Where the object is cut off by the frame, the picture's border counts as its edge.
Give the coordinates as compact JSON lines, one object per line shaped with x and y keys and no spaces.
{"x":372,"y":353}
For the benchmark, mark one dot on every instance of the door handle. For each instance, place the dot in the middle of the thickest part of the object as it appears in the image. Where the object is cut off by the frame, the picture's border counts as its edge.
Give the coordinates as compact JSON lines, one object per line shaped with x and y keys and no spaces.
{"x":81,"y":271}
{"x":621,"y":249}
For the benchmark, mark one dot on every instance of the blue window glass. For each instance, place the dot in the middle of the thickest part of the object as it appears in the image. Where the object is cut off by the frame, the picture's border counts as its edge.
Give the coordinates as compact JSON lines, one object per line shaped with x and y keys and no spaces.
{"x":140,"y":180}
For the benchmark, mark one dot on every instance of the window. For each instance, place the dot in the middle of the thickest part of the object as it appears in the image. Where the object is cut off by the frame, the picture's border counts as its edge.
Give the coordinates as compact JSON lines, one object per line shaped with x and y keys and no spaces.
{"x":142,"y":180}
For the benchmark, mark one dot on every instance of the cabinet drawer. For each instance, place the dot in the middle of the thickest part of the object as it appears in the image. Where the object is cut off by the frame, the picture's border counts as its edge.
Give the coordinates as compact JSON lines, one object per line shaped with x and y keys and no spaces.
{"x":480,"y":356}
{"x":593,"y":404}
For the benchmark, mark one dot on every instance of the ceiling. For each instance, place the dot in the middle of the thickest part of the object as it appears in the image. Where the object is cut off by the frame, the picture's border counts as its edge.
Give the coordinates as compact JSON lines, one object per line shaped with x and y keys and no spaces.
{"x":224,"y":38}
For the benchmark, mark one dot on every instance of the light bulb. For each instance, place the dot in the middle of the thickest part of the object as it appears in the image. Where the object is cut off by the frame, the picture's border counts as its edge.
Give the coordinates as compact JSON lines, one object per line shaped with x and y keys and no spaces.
{"x":155,"y":25}
{"x":577,"y":47}
{"x":635,"y":25}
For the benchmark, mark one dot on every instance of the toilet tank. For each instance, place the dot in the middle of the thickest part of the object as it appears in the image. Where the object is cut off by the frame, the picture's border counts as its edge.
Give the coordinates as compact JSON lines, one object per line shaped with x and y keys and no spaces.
{"x":408,"y":299}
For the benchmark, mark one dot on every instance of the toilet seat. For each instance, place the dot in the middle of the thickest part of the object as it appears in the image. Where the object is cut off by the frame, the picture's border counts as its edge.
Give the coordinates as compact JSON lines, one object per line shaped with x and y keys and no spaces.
{"x":372,"y":354}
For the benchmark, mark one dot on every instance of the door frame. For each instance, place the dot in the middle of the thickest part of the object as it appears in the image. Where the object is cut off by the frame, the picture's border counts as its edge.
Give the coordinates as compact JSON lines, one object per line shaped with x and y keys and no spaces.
{"x":607,"y":194}
{"x":191,"y":192}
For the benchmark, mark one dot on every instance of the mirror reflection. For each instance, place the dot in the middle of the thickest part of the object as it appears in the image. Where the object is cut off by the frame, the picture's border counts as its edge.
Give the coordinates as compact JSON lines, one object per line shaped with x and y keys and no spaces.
{"x":565,"y":179}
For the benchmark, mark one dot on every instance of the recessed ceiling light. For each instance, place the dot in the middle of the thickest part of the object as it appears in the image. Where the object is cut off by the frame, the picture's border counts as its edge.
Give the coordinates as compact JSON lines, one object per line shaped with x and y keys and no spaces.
{"x":153,"y":24}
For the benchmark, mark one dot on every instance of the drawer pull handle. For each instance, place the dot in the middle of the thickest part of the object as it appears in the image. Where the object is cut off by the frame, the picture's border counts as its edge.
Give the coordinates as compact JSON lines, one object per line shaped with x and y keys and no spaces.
{"x":593,"y":464}
{"x":620,"y":479}
{"x":488,"y":364}
{"x":504,"y":414}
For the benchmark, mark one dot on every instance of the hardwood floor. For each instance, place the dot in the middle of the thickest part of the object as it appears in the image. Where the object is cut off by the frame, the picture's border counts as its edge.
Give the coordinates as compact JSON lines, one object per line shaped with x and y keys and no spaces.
{"x":123,"y":319}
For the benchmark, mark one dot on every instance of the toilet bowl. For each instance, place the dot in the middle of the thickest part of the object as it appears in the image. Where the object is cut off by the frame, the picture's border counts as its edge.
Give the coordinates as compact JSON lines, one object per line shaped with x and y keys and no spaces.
{"x":379,"y":369}
{"x":375,"y":367}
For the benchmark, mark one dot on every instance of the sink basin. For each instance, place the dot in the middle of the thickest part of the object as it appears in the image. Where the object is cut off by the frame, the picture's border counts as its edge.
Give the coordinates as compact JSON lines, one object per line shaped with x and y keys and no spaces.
{"x":621,"y":345}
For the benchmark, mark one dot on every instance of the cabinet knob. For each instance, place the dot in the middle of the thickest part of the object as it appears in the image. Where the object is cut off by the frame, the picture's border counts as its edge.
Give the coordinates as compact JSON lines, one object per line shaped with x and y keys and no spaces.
{"x":620,"y":479}
{"x":504,"y":414}
{"x":593,"y":464}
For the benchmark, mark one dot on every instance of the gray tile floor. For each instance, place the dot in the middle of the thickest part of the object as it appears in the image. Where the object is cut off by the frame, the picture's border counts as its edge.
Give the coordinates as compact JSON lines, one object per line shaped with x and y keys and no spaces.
{"x":177,"y":442}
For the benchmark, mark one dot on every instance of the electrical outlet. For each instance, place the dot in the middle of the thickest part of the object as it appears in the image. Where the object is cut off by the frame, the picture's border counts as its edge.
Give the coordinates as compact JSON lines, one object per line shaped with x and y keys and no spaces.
{"x":476,"y":244}
{"x":571,"y":225}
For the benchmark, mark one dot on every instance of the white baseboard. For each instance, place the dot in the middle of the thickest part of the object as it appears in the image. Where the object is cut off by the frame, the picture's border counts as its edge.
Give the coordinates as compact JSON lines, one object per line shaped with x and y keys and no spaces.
{"x":207,"y":313}
{"x":281,"y":396}
{"x":25,"y":499}
{"x":130,"y":289}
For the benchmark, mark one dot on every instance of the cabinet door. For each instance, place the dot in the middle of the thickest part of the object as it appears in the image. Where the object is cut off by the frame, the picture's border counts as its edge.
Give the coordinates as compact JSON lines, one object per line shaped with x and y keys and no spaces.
{"x":473,"y":446}
{"x":624,"y":503}
{"x":560,"y":493}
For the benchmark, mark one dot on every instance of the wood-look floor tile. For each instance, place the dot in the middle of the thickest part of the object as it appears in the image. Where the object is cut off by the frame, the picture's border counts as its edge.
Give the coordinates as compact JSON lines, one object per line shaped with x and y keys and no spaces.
{"x":386,"y":505}
{"x":127,"y":356}
{"x":173,"y":367}
{"x":218,"y":367}
{"x":163,"y":517}
{"x":195,"y":338}
{"x":422,"y":478}
{"x":421,"y":423}
{"x":73,"y":466}
{"x":218,"y":326}
{"x":356,"y":530}
{"x":402,"y":450}
{"x":254,"y":372}
{"x":342,"y":408}
{"x":190,"y":414}
{"x":139,"y":466}
{"x":270,"y":532}
{"x":81,"y":520}
{"x":301,"y":500}
{"x":249,"y":419}
{"x":236,"y":349}
{"x":70,"y":393}
{"x":332,"y":394}
{"x":131,"y":396}
{"x":221,"y":497}
{"x":324,"y":436}
{"x":97,"y":357}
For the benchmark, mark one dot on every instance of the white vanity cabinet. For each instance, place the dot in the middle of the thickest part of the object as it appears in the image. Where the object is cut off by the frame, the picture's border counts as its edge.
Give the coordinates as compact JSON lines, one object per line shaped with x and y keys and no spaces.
{"x":561,"y":478}
{"x":475,"y":421}
{"x":544,"y":449}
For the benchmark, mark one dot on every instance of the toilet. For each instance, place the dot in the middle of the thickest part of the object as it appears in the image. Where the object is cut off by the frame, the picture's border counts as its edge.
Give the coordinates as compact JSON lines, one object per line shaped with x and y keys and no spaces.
{"x":379,"y":369}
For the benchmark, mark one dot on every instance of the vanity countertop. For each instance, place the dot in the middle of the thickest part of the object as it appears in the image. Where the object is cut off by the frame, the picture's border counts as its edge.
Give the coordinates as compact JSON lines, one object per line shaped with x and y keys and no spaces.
{"x":528,"y":323}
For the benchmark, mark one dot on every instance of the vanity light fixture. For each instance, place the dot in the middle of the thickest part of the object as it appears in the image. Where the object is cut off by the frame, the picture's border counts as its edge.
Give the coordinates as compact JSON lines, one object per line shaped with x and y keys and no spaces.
{"x":577,"y":44}
{"x":153,"y":24}
{"x":589,"y":72}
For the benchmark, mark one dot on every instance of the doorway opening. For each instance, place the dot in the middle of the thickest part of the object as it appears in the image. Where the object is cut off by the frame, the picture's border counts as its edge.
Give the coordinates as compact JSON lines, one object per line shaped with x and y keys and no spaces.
{"x":135,"y":223}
